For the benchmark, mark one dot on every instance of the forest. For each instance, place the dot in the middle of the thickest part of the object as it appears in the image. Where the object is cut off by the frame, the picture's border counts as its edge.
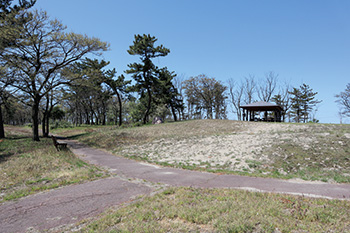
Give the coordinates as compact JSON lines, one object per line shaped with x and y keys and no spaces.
{"x":52,"y":78}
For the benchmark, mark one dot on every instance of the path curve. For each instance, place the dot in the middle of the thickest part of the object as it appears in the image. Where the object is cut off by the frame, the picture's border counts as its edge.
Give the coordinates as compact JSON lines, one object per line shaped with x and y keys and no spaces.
{"x":180,"y":177}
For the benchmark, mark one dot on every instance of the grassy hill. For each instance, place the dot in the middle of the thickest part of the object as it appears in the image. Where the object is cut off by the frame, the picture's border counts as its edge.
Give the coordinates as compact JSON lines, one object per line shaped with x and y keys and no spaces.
{"x":283,"y":150}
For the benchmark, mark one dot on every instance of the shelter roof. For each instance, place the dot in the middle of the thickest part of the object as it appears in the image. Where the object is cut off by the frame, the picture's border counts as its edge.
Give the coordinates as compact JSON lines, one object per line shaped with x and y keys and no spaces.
{"x":262,"y":106}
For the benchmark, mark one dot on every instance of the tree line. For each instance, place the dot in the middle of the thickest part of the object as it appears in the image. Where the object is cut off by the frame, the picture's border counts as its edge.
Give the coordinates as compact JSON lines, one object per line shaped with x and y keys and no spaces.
{"x":49,"y":76}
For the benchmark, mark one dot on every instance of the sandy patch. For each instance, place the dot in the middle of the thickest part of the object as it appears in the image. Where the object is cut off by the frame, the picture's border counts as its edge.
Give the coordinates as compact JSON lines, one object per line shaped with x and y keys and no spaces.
{"x":236,"y":151}
{"x":244,"y":149}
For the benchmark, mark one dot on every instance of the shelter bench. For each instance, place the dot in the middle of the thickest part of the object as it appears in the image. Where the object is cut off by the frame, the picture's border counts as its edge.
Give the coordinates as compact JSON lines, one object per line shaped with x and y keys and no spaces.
{"x":58,"y":145}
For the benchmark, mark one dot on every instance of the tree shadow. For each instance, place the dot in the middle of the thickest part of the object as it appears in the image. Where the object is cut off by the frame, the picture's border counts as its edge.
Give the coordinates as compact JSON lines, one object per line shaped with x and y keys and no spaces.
{"x":75,"y":146}
{"x":74,"y":136}
{"x":5,"y":156}
{"x":59,"y":137}
{"x":14,"y":137}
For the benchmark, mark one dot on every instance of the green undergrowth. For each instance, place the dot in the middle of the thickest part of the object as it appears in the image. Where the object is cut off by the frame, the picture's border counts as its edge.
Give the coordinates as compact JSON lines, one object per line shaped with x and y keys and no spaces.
{"x":225,"y":210}
{"x":27,"y":167}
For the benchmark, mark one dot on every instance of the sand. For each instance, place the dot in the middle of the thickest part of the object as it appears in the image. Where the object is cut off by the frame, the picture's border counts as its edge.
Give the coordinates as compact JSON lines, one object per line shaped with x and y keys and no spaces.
{"x":237,"y":150}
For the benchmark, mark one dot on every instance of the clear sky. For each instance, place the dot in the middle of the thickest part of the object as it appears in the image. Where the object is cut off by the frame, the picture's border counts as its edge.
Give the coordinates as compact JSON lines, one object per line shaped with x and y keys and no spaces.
{"x":301,"y":41}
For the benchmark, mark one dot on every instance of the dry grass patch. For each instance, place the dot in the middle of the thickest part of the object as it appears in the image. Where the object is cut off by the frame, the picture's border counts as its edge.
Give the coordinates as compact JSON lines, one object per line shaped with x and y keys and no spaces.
{"x":315,"y":152}
{"x":27,"y":167}
{"x":79,"y":131}
{"x":112,"y":137}
{"x":224,"y":210}
{"x":17,"y":131}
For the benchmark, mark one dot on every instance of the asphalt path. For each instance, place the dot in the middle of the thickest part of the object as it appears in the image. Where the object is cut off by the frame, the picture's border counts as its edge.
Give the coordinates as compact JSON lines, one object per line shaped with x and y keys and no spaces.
{"x":73,"y":203}
{"x":67,"y":205}
{"x":181,"y":177}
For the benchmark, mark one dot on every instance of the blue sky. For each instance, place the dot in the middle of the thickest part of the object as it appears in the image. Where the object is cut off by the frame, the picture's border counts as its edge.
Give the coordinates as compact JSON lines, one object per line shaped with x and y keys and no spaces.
{"x":302,"y":41}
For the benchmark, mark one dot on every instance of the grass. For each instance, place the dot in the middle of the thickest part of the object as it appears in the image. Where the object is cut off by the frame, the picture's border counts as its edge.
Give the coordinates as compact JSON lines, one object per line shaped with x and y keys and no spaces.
{"x":225,"y":210}
{"x":325,"y":155}
{"x":27,"y":167}
{"x":112,"y":137}
{"x":79,"y":131}
{"x":305,"y":151}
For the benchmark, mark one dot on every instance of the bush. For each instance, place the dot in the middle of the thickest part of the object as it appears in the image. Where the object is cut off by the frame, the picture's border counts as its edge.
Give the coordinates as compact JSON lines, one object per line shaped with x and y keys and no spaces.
{"x":30,"y":125}
{"x":60,"y":124}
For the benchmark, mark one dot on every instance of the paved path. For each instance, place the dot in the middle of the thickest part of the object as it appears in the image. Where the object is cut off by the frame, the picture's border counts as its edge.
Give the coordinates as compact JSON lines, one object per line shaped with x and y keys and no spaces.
{"x":73,"y":203}
{"x":66,"y":205}
{"x":180,"y":177}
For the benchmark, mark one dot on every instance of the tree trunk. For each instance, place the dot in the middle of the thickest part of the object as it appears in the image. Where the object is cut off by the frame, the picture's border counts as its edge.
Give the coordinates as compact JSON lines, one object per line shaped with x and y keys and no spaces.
{"x":43,"y":125}
{"x":47,"y":124}
{"x":174,"y":112}
{"x":94,"y":118}
{"x":120,"y":108}
{"x":45,"y":116}
{"x":183,"y":114}
{"x":2,"y":131}
{"x":87,"y":119}
{"x":210,"y":110}
{"x":298,"y":113}
{"x":35,"y":119}
{"x":80,"y":119}
{"x":148,"y":106}
{"x":104,"y":118}
{"x":116,"y":117}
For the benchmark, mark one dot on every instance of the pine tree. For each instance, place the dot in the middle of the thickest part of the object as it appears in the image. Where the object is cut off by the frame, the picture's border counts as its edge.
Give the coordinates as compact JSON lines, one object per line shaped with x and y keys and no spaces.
{"x":145,"y":73}
{"x":308,"y":101}
{"x":119,"y":86}
{"x":302,"y":102}
{"x":167,"y":93}
{"x":296,"y":103}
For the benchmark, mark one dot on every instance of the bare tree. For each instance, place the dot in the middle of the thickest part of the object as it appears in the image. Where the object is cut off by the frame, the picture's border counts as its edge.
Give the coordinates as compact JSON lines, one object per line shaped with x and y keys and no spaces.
{"x":344,"y":101}
{"x":236,"y":97}
{"x":283,"y":99}
{"x":178,"y":84}
{"x":241,"y":93}
{"x":249,"y":86}
{"x":267,"y":87}
{"x":340,"y":114}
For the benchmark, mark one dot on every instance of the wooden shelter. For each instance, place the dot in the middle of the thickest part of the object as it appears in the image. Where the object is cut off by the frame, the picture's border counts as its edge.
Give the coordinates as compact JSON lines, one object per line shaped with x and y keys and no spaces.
{"x":272,"y":112}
